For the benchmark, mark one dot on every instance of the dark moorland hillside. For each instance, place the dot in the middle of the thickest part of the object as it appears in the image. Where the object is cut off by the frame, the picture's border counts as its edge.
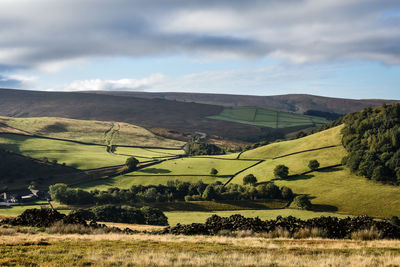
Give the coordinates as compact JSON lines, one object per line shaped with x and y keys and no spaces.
{"x":18,"y":172}
{"x":298,"y":103}
{"x":185,"y":118}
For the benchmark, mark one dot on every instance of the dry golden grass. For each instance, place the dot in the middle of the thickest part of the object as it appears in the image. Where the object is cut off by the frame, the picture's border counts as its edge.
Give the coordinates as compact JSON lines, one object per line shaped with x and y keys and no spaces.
{"x":170,"y":250}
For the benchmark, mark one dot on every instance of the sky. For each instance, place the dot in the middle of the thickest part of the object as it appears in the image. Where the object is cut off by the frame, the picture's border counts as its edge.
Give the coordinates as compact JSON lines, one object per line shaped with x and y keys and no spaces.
{"x":337,"y":48}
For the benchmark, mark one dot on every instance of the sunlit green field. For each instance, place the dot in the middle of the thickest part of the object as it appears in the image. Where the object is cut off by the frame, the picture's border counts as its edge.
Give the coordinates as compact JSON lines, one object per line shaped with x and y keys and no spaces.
{"x":184,"y":169}
{"x":76,"y":155}
{"x":331,"y":137}
{"x":267,"y":118}
{"x":127,"y":181}
{"x":90,"y":131}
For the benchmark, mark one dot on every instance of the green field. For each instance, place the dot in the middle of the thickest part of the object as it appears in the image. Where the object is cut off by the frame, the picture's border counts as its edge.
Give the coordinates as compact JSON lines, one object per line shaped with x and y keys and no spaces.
{"x":126,"y":181}
{"x":75,"y":155}
{"x":98,"y":132}
{"x":186,"y":217}
{"x":332,"y":189}
{"x":184,"y":169}
{"x":267,"y":118}
{"x":331,"y":137}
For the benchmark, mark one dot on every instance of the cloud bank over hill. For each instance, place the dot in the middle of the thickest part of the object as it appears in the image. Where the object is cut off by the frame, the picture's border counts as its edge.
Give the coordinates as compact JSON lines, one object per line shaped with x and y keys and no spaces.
{"x":47,"y":33}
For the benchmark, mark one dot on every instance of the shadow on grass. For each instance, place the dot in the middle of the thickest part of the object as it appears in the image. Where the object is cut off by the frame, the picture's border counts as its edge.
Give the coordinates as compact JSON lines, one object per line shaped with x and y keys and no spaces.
{"x":154,"y":170}
{"x":333,"y":169}
{"x":294,"y":177}
{"x":320,"y":207}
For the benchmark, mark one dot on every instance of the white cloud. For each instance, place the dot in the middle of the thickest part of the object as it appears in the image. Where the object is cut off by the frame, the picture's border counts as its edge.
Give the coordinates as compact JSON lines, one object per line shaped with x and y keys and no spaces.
{"x":119,"y":85}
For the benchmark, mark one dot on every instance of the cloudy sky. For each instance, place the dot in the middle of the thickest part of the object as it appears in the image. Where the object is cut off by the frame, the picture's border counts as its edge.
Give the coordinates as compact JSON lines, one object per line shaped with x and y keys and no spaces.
{"x":341,"y":48}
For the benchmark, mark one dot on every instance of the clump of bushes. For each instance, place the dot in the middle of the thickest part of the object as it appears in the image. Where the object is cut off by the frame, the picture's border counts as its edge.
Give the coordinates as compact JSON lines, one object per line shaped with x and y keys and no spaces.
{"x":361,"y":227}
{"x":302,"y":202}
{"x":124,"y":214}
{"x":194,"y":148}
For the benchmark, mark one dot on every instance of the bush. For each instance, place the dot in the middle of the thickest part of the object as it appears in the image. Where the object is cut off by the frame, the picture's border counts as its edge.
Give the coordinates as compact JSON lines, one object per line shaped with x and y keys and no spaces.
{"x":302,"y":202}
{"x":153,"y":216}
{"x":313,"y":165}
{"x":281,"y":171}
{"x":209,"y":193}
{"x":132,"y":163}
{"x":287,"y":193}
{"x":366,"y":234}
{"x":249,"y":179}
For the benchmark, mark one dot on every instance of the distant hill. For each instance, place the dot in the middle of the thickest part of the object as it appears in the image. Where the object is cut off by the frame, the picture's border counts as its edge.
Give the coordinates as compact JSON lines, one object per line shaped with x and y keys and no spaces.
{"x":298,"y":103}
{"x":165,"y":117}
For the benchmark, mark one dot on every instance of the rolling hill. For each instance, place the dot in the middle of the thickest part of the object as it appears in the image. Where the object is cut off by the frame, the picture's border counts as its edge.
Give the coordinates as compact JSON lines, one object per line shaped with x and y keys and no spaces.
{"x":164,"y":117}
{"x":298,"y":103}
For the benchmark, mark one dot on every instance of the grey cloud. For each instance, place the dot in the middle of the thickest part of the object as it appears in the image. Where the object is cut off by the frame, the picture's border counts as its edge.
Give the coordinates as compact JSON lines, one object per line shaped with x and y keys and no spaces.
{"x":6,"y":82}
{"x":33,"y":33}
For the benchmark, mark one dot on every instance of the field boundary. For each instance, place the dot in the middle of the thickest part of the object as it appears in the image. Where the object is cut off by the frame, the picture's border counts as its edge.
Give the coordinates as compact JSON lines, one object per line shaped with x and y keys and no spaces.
{"x":245,"y":169}
{"x":86,"y":143}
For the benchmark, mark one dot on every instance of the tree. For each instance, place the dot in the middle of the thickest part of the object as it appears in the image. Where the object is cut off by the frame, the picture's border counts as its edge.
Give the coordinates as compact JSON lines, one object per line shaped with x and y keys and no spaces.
{"x":209,"y":193}
{"x":287,"y":193}
{"x":281,"y":171}
{"x":313,"y":164}
{"x":302,"y":202}
{"x":249,"y":179}
{"x":132,"y":163}
{"x":214,"y":171}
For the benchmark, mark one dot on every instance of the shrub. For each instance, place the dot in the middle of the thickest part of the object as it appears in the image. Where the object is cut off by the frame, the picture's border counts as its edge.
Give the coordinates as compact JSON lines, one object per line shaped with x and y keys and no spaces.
{"x":132,"y":163}
{"x":209,"y":193}
{"x":214,"y":171}
{"x":366,"y":234}
{"x":302,"y":202}
{"x":286,"y":192}
{"x":249,"y":179}
{"x":281,"y":171}
{"x":153,"y":216}
{"x":313,"y":165}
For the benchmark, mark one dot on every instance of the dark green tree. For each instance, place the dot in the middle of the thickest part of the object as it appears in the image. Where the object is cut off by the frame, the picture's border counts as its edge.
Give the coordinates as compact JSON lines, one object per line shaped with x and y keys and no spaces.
{"x":281,"y":171}
{"x":313,"y":164}
{"x":214,"y":171}
{"x":249,"y":179}
{"x":209,"y":193}
{"x":302,"y":202}
{"x":132,"y":163}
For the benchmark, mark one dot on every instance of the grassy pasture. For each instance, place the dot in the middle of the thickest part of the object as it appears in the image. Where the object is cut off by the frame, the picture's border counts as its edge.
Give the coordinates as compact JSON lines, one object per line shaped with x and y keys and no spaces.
{"x":76,"y":155}
{"x":98,"y":132}
{"x":330,"y":137}
{"x":266,"y":118}
{"x":126,"y":181}
{"x":196,"y":166}
{"x":334,"y":189}
{"x":184,"y":169}
{"x":297,"y":163}
{"x":72,"y":154}
{"x":169,"y":250}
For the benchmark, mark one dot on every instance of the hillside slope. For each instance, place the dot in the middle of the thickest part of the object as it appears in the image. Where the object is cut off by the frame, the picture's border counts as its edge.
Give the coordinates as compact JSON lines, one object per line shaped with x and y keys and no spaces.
{"x":89,"y":131}
{"x":332,"y":189}
{"x":184,"y":118}
{"x":298,"y":103}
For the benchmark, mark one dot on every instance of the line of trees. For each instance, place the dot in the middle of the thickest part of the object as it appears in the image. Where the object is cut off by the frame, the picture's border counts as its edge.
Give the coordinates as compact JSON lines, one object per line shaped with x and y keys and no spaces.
{"x":173,"y":191}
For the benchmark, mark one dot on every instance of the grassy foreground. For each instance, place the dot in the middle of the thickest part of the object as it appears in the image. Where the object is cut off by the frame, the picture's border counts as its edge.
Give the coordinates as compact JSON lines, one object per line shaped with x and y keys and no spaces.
{"x":168,"y":250}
